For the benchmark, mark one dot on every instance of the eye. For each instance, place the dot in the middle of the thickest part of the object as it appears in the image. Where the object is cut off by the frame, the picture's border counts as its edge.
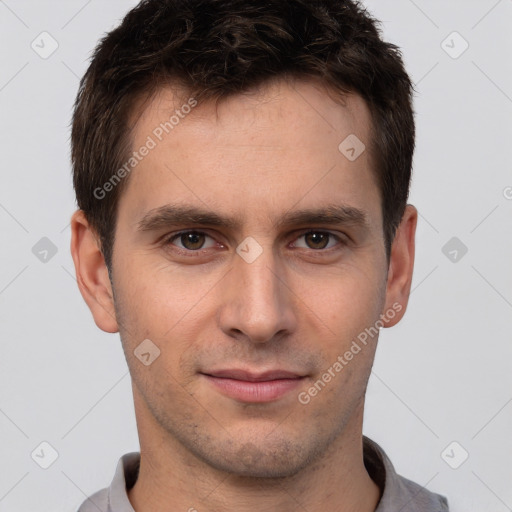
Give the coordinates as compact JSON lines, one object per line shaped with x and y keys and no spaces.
{"x":190,"y":240}
{"x":318,"y":240}
{"x":195,"y":241}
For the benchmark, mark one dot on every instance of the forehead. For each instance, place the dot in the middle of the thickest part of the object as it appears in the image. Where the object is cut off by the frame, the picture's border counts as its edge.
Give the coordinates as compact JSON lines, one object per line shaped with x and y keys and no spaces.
{"x":256,"y":153}
{"x":286,"y":101}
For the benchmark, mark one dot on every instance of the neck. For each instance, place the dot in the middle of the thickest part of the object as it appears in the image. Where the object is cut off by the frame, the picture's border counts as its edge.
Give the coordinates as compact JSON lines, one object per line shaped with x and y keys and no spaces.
{"x":171,"y":478}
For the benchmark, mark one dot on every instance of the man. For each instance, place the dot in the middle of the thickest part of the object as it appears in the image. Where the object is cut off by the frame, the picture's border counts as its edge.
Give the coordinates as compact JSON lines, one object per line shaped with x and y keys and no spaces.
{"x":242,"y":171}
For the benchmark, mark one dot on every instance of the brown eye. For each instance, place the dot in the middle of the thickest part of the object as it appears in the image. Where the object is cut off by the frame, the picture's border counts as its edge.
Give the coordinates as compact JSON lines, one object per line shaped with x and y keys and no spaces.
{"x":190,"y":240}
{"x":317,"y":240}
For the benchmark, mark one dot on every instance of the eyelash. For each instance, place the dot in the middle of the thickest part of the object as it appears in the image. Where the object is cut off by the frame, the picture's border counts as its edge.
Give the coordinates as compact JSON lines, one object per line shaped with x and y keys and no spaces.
{"x":189,"y":252}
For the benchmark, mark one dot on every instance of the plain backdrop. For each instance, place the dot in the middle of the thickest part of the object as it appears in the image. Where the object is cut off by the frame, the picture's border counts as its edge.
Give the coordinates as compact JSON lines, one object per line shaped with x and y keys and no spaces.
{"x":441,"y":389}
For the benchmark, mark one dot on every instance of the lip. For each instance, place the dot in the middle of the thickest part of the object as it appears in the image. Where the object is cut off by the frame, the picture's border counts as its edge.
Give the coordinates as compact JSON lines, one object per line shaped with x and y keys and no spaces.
{"x":252,"y":387}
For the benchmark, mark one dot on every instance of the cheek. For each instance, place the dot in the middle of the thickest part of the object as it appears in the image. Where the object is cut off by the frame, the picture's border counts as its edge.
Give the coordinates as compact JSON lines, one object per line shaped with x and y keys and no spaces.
{"x":170,"y":309}
{"x":168,"y":399}
{"x":345,"y":302}
{"x":156,"y":299}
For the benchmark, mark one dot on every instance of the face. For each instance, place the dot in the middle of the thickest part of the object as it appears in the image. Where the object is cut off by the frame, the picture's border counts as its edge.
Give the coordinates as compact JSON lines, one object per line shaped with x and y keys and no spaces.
{"x":249,"y":250}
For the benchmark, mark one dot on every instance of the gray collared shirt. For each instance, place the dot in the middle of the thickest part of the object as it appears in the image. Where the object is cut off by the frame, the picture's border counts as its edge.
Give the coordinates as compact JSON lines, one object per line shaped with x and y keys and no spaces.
{"x":398,"y":493}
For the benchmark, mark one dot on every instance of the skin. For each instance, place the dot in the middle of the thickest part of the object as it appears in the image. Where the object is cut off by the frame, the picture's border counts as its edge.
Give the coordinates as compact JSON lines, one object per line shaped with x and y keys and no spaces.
{"x":297,"y":307}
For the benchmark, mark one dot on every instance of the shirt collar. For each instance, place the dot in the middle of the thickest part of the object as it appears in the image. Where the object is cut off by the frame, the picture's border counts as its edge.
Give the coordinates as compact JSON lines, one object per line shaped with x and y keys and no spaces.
{"x":125,"y":477}
{"x":398,"y":494}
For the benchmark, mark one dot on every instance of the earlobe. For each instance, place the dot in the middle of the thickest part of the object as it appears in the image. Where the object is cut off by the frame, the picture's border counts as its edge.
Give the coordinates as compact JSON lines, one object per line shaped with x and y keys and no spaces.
{"x":401,"y":267}
{"x":92,"y":273}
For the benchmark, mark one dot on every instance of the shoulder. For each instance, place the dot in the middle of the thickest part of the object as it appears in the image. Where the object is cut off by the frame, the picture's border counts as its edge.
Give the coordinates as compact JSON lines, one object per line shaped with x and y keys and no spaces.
{"x":115,"y":497}
{"x":414,"y":497}
{"x":96,"y":502}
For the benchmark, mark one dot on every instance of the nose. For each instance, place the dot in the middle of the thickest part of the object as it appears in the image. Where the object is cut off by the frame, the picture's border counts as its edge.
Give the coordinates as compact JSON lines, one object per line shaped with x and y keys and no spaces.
{"x":257,"y":303}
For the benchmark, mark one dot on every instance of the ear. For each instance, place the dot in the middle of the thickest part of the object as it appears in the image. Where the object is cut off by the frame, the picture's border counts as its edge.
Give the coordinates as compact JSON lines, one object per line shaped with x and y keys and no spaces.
{"x":401,"y":266}
{"x":92,"y":273}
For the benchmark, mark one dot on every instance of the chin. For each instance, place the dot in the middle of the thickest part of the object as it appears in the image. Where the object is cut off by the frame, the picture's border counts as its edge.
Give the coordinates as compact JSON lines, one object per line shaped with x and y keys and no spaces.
{"x":264,"y":459}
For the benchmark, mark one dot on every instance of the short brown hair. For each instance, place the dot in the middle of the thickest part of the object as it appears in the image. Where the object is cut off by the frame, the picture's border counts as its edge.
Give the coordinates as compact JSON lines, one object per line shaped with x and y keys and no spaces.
{"x":217,"y":48}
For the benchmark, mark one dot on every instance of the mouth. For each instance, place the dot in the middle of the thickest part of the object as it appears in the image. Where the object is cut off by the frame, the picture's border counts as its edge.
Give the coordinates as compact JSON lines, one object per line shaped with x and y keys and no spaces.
{"x":254,"y":387}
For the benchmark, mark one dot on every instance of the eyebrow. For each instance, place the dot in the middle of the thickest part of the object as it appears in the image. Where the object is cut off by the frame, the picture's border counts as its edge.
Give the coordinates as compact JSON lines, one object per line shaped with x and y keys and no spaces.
{"x":175,"y":215}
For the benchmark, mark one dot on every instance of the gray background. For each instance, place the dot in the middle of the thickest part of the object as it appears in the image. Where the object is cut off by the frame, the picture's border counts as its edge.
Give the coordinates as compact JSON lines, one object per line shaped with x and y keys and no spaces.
{"x":441,"y":376}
